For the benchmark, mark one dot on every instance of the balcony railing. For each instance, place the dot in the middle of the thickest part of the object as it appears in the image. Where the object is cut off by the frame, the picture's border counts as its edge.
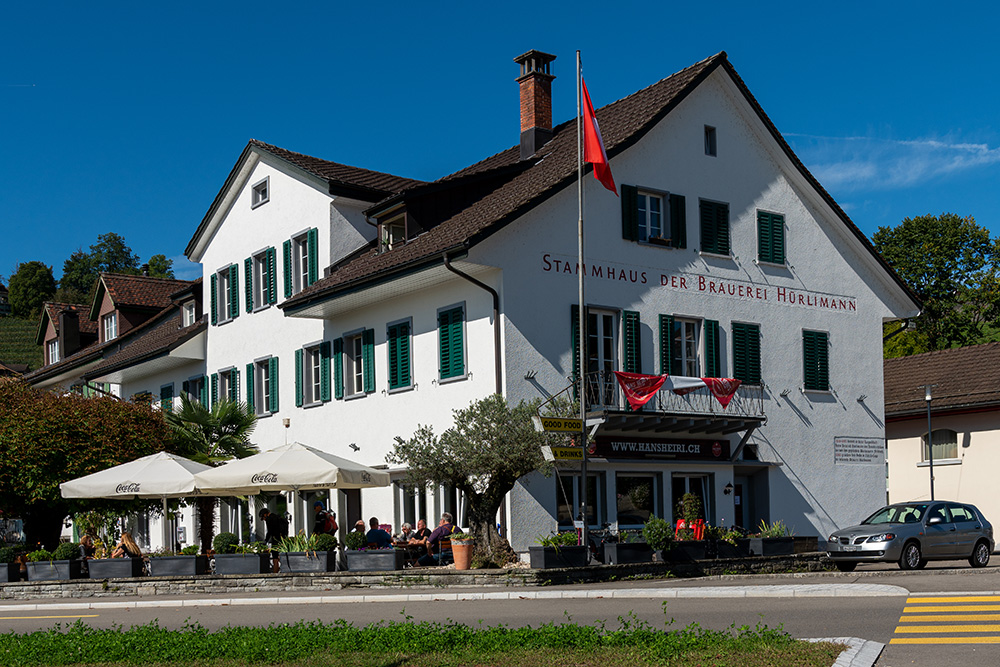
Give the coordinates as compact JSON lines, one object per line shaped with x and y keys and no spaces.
{"x":604,"y":393}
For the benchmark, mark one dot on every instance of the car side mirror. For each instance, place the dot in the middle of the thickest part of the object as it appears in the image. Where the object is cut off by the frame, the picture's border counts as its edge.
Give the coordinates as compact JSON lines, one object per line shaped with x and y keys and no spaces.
{"x":934,"y":520}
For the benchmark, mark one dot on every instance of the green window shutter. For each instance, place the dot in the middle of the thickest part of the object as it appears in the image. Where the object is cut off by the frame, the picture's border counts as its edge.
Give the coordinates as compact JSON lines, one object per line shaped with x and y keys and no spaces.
{"x":312,"y":238}
{"x":778,"y":238}
{"x":707,"y":217}
{"x":272,"y":276}
{"x":286,"y":248}
{"x":764,"y":253}
{"x":167,"y":398}
{"x":713,"y":362}
{"x":185,"y":388}
{"x":574,"y":334}
{"x":630,"y":212}
{"x":746,"y":353}
{"x":666,"y":344}
{"x":678,"y":221}
{"x":368,"y":354}
{"x":234,"y":292}
{"x":273,"y":379}
{"x":722,"y":228}
{"x":714,"y":227}
{"x":248,"y":286}
{"x":250,"y":383}
{"x":203,"y":396}
{"x":451,"y":353}
{"x":632,"y":348}
{"x":215,"y":388}
{"x":338,"y":368}
{"x":213,"y":297}
{"x":234,"y":386}
{"x":815,"y":357}
{"x":399,"y":355}
{"x":324,"y":371}
{"x":299,"y":399}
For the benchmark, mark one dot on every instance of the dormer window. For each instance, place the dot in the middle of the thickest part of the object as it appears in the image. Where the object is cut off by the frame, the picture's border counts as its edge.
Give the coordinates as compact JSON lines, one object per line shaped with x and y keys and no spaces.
{"x":261,"y":193}
{"x":187,"y":313}
{"x":110,"y":323}
{"x":53,"y":351}
{"x":393,"y":232}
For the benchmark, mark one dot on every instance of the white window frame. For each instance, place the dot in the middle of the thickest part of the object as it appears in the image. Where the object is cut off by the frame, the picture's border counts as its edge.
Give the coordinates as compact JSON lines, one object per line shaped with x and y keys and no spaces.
{"x":692,"y":325}
{"x":300,"y":262}
{"x":53,"y":351}
{"x":261,"y":192}
{"x":354,"y":364}
{"x":387,"y":232}
{"x":223,"y":295}
{"x":606,"y":330}
{"x":939,"y":442}
{"x":109,"y":326}
{"x":644,"y":214}
{"x":711,"y":141}
{"x":262,"y":386}
{"x":188,"y":313}
{"x":261,"y":280}
{"x":312,"y":375}
{"x":196,"y":384}
{"x":225,"y":382}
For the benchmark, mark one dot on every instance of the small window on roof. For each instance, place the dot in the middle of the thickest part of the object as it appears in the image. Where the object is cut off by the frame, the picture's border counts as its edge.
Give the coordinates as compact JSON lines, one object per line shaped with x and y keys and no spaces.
{"x":261,"y":193}
{"x":710,"y":140}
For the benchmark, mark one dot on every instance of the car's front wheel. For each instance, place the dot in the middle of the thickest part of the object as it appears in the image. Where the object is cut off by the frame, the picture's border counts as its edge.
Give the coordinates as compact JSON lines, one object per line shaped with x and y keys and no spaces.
{"x":980,"y":554}
{"x":911,"y":557}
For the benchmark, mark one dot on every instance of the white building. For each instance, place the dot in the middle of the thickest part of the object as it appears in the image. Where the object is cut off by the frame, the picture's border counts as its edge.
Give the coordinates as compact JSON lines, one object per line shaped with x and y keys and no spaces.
{"x":349,"y":306}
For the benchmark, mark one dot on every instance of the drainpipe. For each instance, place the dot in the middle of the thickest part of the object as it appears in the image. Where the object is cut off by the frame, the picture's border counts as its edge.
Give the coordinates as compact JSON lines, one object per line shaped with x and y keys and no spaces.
{"x":498,"y":368}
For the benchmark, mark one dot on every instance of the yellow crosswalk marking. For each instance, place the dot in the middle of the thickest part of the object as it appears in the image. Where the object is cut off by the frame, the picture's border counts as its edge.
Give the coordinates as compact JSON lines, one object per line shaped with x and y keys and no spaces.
{"x":961,"y":598}
{"x":948,"y":628}
{"x":970,"y":607}
{"x":922,"y":618}
{"x":945,"y":640}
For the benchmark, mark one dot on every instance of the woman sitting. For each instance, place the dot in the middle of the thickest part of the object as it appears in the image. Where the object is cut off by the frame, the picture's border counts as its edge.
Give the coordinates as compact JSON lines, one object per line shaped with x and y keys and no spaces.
{"x":126,"y":548}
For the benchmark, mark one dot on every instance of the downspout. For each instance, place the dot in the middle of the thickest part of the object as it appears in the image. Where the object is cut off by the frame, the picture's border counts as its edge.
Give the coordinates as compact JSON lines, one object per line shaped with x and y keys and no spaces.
{"x":498,"y":368}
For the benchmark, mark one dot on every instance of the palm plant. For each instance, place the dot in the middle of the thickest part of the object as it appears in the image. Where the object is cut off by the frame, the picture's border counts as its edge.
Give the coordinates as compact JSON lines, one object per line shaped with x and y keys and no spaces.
{"x":211,"y":436}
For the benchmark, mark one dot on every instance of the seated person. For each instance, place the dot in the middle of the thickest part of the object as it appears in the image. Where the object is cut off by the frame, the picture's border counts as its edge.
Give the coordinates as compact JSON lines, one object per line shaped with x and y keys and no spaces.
{"x":359,"y":527}
{"x":86,"y":547}
{"x":405,"y":533}
{"x":126,"y":548}
{"x":377,"y":536}
{"x":421,"y":533}
{"x":445,"y":528}
{"x":325,"y":523}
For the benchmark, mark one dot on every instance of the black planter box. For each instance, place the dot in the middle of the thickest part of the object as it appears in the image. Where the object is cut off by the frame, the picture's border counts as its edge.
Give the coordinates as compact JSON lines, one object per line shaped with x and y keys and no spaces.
{"x":10,"y":570}
{"x":685,"y":551}
{"x":309,"y":561}
{"x":54,"y":570}
{"x":114,"y":568}
{"x":242,"y":563}
{"x":175,"y":566}
{"x":627,"y":552}
{"x":380,"y":560}
{"x":771,"y":546}
{"x":544,"y":558}
{"x":720,"y":549}
{"x":805,"y":544}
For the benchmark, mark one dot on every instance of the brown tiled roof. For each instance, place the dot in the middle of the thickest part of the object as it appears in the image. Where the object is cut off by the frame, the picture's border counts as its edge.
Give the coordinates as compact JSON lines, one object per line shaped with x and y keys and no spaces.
{"x":53,"y":308}
{"x":140,"y":291}
{"x":965,"y":378}
{"x":623,"y":123}
{"x":155,"y":338}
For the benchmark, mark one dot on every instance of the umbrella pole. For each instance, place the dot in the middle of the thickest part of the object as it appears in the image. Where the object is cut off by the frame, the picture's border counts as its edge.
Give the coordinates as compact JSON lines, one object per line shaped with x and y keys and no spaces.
{"x":167,"y":546}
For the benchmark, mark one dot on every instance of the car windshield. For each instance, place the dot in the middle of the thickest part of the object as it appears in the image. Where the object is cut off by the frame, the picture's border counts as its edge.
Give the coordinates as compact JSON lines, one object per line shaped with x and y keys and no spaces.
{"x":897,"y":514}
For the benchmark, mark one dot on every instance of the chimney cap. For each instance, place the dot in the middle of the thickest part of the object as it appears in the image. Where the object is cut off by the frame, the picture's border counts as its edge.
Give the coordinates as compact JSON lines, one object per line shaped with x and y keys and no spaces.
{"x":535,"y":62}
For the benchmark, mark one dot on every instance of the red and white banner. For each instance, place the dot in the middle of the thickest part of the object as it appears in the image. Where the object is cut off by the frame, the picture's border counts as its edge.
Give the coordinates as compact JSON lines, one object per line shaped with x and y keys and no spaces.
{"x":639,"y":388}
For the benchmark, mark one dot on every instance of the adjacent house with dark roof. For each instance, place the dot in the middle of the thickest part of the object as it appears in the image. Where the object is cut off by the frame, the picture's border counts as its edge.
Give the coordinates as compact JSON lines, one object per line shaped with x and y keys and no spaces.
{"x":964,"y":402}
{"x":349,"y":306}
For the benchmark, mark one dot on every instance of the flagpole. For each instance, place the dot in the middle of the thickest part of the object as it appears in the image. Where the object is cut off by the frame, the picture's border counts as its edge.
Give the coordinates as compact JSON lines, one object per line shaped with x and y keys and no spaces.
{"x":584,"y":533}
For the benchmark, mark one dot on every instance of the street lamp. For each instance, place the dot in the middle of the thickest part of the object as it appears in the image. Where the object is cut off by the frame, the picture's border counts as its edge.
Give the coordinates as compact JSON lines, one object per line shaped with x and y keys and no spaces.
{"x":930,"y":437}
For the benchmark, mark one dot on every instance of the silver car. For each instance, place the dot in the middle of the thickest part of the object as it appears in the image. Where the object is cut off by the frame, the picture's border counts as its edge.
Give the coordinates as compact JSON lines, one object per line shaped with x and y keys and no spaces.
{"x":912,"y":534}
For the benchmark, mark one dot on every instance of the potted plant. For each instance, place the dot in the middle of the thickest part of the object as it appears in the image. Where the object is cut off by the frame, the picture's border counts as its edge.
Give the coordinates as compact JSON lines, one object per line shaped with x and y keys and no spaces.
{"x":307,"y":554}
{"x":362,"y":559}
{"x":115,"y":568}
{"x":559,"y":550}
{"x":63,"y":563}
{"x":659,"y":536}
{"x":462,"y":545}
{"x":10,"y":567}
{"x":686,"y":548}
{"x":187,"y":563}
{"x":726,"y":542}
{"x":233,"y":558}
{"x":630,"y":548}
{"x":773,"y":539}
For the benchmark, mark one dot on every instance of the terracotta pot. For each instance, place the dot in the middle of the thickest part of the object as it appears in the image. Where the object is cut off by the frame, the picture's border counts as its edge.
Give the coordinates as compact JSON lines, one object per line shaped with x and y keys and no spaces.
{"x":462,"y":551}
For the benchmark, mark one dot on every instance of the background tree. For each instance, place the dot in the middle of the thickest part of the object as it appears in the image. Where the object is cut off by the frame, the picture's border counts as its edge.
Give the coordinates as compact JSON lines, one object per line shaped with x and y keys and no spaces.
{"x":489,"y":448}
{"x":161,"y":267}
{"x":47,"y":438}
{"x":78,"y":276}
{"x":112,"y":255}
{"x":211,"y":437}
{"x":31,"y":285}
{"x":951,"y":264}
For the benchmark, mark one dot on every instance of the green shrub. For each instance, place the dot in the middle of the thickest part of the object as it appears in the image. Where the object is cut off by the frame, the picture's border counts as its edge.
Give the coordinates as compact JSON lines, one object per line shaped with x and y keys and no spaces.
{"x":355,"y":541}
{"x":658,"y":533}
{"x":190,"y":550}
{"x":225,"y":543}
{"x":776,"y":529}
{"x":67,"y":551}
{"x":325,"y":542}
{"x":558,"y":540}
{"x":39,"y":556}
{"x":8,"y":554}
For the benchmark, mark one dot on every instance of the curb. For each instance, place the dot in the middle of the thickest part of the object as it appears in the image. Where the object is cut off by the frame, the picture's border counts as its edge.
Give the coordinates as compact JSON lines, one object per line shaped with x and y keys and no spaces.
{"x":859,"y":652}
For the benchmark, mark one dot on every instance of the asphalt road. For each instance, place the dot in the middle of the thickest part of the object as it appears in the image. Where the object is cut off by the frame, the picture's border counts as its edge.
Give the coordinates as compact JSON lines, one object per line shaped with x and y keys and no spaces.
{"x":908,"y":613}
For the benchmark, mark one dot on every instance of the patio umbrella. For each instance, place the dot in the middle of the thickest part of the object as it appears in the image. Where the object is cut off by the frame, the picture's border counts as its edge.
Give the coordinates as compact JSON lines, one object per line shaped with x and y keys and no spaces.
{"x":162,"y":475}
{"x":291,"y":467}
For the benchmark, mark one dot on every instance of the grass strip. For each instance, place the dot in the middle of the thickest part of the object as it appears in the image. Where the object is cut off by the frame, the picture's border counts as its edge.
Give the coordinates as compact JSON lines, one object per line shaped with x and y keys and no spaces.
{"x":407,"y":643}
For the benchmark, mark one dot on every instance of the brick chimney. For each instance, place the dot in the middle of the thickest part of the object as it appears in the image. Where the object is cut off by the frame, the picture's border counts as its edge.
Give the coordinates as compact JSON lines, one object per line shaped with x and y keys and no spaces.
{"x":535,"y":82}
{"x":69,"y":333}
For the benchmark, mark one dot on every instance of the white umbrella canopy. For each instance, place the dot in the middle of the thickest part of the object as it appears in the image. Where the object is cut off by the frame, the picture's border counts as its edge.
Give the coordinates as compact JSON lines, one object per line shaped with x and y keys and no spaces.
{"x":161,"y":475}
{"x":291,"y":467}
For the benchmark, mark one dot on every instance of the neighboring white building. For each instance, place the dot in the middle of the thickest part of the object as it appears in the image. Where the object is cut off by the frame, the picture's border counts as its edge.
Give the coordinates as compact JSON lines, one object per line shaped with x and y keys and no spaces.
{"x":349,"y":306}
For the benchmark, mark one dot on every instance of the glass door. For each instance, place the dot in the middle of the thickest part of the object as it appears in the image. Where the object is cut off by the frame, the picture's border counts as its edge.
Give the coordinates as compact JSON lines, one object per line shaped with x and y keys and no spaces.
{"x":602,"y":353}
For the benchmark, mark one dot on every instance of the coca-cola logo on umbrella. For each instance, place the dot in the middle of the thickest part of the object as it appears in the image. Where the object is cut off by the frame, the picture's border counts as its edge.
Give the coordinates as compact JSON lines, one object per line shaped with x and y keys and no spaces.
{"x":127,"y":487}
{"x":264,"y":478}
{"x":366,"y":477}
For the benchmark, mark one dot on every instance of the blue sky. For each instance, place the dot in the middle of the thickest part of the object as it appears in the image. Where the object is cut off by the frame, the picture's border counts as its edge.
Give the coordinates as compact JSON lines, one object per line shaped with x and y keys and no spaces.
{"x":127,"y":117}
